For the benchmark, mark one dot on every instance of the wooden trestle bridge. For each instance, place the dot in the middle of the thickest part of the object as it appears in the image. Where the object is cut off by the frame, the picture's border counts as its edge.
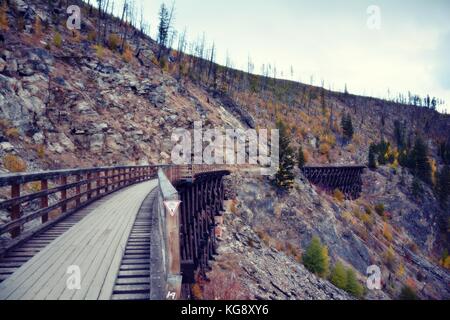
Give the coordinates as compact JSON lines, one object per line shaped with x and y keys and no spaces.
{"x":108,"y":233}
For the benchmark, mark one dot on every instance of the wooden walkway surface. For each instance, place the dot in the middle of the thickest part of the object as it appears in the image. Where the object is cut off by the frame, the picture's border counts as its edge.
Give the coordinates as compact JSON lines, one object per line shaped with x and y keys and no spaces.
{"x":96,"y":245}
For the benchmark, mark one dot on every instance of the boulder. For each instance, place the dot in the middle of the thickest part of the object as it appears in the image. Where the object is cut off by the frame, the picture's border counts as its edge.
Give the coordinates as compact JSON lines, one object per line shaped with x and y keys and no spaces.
{"x":38,"y":138}
{"x":84,"y":108}
{"x":96,"y":142}
{"x":6,"y":146}
{"x":66,"y":142}
{"x":12,"y":66}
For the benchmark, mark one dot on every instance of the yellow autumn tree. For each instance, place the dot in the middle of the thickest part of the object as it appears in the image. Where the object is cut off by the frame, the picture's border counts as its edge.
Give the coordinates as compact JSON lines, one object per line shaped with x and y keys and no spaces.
{"x":4,"y":17}
{"x":127,"y":54}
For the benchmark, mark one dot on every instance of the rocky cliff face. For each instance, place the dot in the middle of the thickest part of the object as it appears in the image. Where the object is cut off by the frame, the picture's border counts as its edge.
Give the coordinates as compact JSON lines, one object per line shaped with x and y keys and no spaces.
{"x":76,"y":104}
{"x":353,"y":237}
{"x":264,"y":272}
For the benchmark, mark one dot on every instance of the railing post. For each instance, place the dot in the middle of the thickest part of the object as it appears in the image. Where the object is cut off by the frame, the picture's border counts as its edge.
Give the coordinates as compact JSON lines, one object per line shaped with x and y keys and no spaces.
{"x":15,"y":210}
{"x":89,"y":185}
{"x":99,"y":183}
{"x":78,"y":191}
{"x":174,"y":278}
{"x":64,"y":194}
{"x":44,"y":199}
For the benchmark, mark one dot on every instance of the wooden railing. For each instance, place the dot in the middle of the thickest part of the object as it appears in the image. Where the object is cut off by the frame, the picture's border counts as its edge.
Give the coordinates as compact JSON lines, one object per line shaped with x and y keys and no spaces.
{"x":71,"y":190}
{"x":62,"y":192}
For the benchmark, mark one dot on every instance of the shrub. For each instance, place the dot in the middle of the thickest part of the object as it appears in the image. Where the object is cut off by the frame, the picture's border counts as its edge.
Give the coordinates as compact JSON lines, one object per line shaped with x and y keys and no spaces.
{"x":408,"y":293}
{"x":264,"y":236}
{"x":316,"y":258}
{"x":339,"y":276}
{"x":347,"y":216}
{"x":338,"y":195}
{"x":127,"y":54}
{"x":92,"y":36}
{"x":113,"y":41}
{"x":324,"y":149}
{"x":367,"y":210}
{"x":401,"y":271}
{"x":13,"y":163}
{"x":57,"y":40}
{"x":379,"y":209}
{"x":293,"y":251}
{"x":76,"y":36}
{"x":196,"y":291}
{"x":12,"y":133}
{"x":233,"y":206}
{"x":367,"y":219}
{"x":224,"y":286}
{"x":40,"y":151}
{"x":353,"y":286}
{"x":389,"y":258}
{"x":387,"y":234}
{"x":99,"y":51}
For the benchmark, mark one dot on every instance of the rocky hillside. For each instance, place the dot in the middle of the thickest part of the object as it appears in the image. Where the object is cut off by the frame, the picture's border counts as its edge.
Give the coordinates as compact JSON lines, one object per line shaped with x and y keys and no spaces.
{"x":68,"y":99}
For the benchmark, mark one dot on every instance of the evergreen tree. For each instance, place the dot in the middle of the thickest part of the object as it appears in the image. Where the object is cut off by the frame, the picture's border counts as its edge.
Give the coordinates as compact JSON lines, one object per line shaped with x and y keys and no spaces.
{"x":353,"y":286}
{"x":165,"y":21}
{"x":301,"y":158}
{"x":347,"y":127}
{"x":399,"y":133}
{"x":422,"y":167}
{"x":339,"y":276}
{"x":316,"y":258}
{"x":382,"y":151}
{"x":285,"y":176}
{"x":372,"y":157}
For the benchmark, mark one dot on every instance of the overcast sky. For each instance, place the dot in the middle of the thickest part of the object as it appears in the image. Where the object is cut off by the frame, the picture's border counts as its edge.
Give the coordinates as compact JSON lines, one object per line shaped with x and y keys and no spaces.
{"x":329,"y":40}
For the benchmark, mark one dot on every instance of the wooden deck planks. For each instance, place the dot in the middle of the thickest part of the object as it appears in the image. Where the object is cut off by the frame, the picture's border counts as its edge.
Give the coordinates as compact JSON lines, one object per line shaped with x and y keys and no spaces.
{"x":95,"y":244}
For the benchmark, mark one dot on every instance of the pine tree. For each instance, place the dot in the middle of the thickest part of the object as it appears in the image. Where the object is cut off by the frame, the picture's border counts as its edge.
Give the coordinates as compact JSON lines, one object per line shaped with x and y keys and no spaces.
{"x":165,"y":18}
{"x":422,"y":167}
{"x":399,"y":133}
{"x":301,"y":157}
{"x":339,"y":276}
{"x":347,"y":127}
{"x":353,"y":286}
{"x":383,"y":150}
{"x":316,"y":258}
{"x":285,"y":176}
